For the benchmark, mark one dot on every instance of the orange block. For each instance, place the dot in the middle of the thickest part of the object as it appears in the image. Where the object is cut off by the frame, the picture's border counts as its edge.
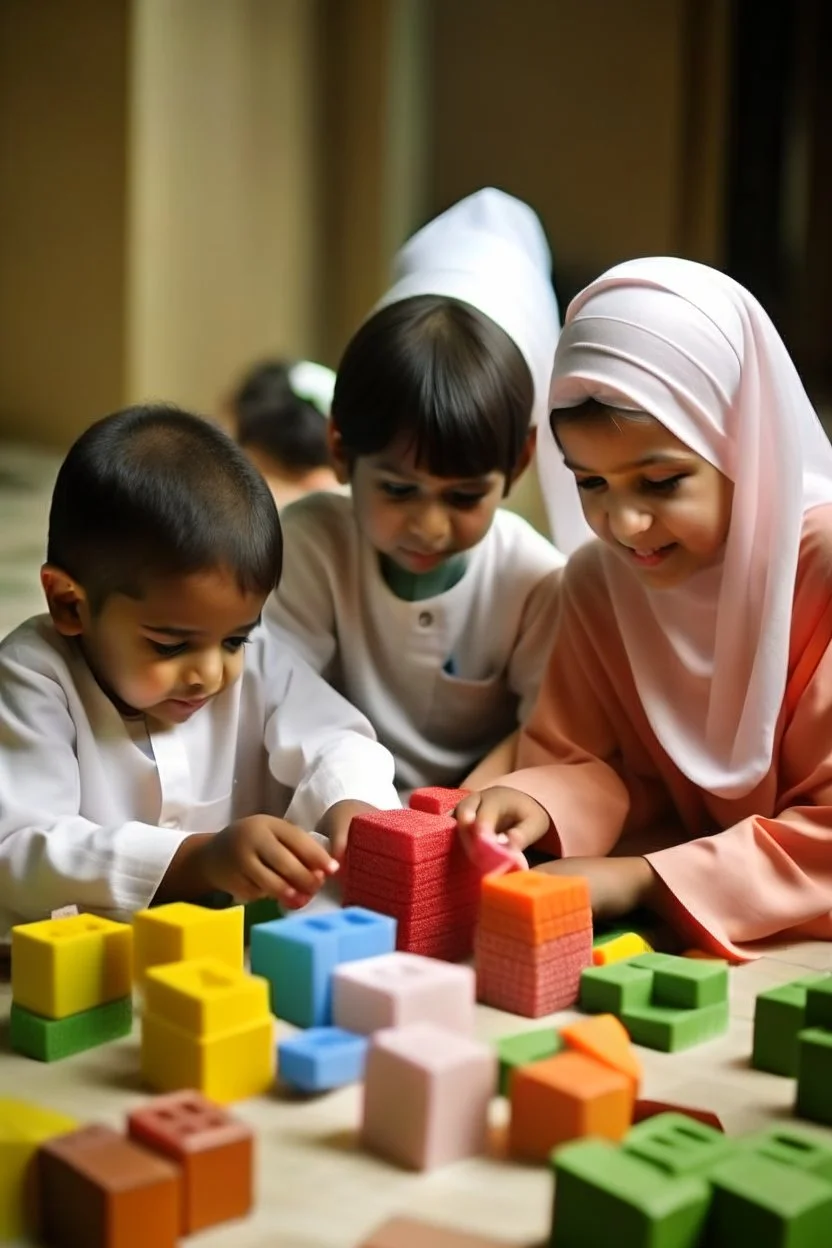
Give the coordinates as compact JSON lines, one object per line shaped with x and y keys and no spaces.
{"x":564,"y":1098}
{"x":606,"y":1039}
{"x":703,"y":955}
{"x":530,"y":903}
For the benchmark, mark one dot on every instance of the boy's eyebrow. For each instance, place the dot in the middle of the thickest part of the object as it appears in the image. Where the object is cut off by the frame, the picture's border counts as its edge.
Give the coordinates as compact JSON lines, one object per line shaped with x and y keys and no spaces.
{"x":396,"y":471}
{"x":171,"y":630}
{"x":661,"y":457}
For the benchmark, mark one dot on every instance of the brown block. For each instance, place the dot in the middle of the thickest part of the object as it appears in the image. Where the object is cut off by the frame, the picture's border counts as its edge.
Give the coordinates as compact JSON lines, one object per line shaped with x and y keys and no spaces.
{"x":100,"y":1190}
{"x":410,"y":1233}
{"x":213,"y":1149}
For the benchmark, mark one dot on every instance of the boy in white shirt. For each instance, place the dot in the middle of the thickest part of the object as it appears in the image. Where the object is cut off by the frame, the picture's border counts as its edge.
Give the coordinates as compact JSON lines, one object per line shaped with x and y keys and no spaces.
{"x":155,"y":742}
{"x":425,"y":603}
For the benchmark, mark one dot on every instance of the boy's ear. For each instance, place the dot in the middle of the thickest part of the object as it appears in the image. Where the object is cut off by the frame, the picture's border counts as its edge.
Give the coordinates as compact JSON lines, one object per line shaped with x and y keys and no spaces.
{"x":525,"y":456}
{"x":66,"y":599}
{"x":340,"y":459}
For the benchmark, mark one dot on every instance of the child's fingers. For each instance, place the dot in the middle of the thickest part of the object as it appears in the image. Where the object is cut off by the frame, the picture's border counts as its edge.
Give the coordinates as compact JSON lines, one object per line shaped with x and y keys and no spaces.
{"x":279,"y":860}
{"x":308,"y":850}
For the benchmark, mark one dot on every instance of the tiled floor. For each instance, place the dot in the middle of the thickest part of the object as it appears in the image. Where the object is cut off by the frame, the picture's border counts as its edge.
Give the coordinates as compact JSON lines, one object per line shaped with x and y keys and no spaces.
{"x":26,"y":479}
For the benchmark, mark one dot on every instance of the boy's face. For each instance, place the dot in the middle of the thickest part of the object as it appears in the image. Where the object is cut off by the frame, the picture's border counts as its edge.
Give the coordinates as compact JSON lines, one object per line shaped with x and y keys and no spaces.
{"x":167,"y":653}
{"x":416,"y":519}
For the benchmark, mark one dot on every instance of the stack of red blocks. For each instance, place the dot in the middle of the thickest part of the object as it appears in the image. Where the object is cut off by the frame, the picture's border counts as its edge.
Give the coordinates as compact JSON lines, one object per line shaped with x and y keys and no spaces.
{"x":533,"y":941}
{"x":411,"y":865}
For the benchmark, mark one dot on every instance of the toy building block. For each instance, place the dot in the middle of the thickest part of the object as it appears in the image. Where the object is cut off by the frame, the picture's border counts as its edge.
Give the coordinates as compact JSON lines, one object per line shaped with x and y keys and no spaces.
{"x":604,"y":1196}
{"x":814,"y":1075}
{"x":181,"y":931}
{"x":513,"y":1052}
{"x":492,"y":857}
{"x":298,"y":955}
{"x":671,"y":1030}
{"x":615,"y":988}
{"x":533,"y":940}
{"x":23,"y":1128}
{"x":625,"y":945}
{"x":437,"y":801}
{"x":63,"y":966}
{"x":411,"y":1233}
{"x":263,"y":910}
{"x":772,"y":1205}
{"x":792,"y":1147}
{"x":779,"y":1015}
{"x":606,"y":1040}
{"x":401,"y":988}
{"x":819,"y":1003}
{"x":207,"y":1026}
{"x":322,"y":1058}
{"x":690,"y":985}
{"x":564,"y":1098}
{"x":50,"y":1039}
{"x":412,"y":865}
{"x":101,"y":1190}
{"x":678,"y":1145}
{"x":651,"y":1109}
{"x":445,"y":1081}
{"x":213,"y":1152}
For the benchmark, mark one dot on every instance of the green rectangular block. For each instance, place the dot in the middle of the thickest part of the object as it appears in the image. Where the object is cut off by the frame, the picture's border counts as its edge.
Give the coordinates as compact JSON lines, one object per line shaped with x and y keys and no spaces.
{"x":814,"y":1075}
{"x":792,"y":1146}
{"x":779,"y":1014}
{"x":677,"y":1144}
{"x":50,"y":1039}
{"x":758,"y":1201}
{"x":669,"y":1030}
{"x":264,"y":910}
{"x":521,"y":1050}
{"x":614,"y":988}
{"x":819,"y":1003}
{"x":690,"y":984}
{"x":655,"y":961}
{"x":605,"y":1197}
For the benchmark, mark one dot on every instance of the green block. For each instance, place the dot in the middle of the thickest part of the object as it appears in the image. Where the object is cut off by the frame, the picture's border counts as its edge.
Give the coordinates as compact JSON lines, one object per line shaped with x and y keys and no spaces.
{"x":819,"y":1003}
{"x":661,"y":1027}
{"x":779,"y":1014}
{"x":530,"y":1046}
{"x":604,"y":1196}
{"x":792,"y":1147}
{"x":614,"y":988}
{"x":50,"y":1039}
{"x":758,"y":1201}
{"x":655,"y":961}
{"x":678,"y":1144}
{"x":814,"y":1075}
{"x":690,"y":984}
{"x":264,"y":910}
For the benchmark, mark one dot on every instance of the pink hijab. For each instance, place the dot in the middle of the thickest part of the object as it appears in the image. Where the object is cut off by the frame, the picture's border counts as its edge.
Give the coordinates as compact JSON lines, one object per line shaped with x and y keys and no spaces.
{"x":694,"y":349}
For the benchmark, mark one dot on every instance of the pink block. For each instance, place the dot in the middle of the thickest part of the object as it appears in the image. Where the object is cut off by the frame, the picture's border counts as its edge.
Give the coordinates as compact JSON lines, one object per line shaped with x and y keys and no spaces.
{"x":426,"y":1095}
{"x":492,"y":857}
{"x":397,"y":989}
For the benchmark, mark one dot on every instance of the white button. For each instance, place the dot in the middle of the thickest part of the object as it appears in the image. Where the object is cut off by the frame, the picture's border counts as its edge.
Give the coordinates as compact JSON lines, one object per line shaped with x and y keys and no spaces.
{"x":426,"y":619}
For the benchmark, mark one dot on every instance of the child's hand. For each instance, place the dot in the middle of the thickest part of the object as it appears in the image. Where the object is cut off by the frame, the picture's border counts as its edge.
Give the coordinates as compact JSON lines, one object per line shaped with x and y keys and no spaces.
{"x":502,"y":813}
{"x":266,"y":857}
{"x":335,"y":824}
{"x":616,"y":885}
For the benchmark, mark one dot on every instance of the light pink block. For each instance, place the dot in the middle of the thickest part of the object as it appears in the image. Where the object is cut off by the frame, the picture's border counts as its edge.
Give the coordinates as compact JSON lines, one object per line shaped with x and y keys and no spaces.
{"x":426,"y":1095}
{"x":401,"y":988}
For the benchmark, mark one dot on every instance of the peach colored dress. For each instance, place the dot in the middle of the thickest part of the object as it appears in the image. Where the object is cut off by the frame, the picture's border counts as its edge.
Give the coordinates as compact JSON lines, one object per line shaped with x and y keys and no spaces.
{"x":747,"y":872}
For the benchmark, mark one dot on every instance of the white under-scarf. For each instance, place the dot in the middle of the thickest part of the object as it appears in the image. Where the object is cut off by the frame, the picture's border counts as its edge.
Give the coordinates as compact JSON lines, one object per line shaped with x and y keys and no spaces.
{"x":695,"y":350}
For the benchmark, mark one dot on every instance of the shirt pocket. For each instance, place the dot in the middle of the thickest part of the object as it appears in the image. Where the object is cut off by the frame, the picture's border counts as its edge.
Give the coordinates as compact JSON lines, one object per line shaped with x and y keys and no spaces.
{"x":471,"y":714}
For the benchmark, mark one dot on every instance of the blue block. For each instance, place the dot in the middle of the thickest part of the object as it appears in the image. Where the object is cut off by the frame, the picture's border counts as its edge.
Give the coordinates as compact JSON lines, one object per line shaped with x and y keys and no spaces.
{"x":297,"y":955}
{"x":322,"y":1058}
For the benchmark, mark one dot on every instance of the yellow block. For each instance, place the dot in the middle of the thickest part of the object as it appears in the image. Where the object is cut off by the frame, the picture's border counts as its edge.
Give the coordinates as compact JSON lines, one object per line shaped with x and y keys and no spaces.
{"x":626,"y":946}
{"x":205,"y":997}
{"x":229,"y":1066}
{"x":181,"y":931}
{"x":23,"y":1128}
{"x":63,"y":966}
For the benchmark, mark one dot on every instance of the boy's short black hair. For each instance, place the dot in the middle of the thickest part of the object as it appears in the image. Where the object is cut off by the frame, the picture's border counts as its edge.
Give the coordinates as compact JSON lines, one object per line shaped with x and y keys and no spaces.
{"x":153,"y":491}
{"x":442,"y":376}
{"x":272,"y":418}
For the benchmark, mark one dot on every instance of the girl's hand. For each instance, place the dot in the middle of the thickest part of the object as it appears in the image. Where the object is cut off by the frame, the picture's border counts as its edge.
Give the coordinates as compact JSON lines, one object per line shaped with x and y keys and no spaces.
{"x":501,"y":814}
{"x":616,"y":885}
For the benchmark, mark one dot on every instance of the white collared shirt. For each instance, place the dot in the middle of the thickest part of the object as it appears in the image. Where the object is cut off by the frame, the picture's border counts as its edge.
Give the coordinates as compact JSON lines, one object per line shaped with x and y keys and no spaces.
{"x":94,"y":806}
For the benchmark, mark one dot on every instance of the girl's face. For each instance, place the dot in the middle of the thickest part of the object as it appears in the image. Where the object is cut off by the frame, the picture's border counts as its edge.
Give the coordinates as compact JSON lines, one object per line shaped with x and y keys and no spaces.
{"x":663,"y":509}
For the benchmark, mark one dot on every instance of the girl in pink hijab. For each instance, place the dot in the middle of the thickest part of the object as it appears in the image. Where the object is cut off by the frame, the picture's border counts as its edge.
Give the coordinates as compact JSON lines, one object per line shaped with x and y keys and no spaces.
{"x":680,"y":753}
